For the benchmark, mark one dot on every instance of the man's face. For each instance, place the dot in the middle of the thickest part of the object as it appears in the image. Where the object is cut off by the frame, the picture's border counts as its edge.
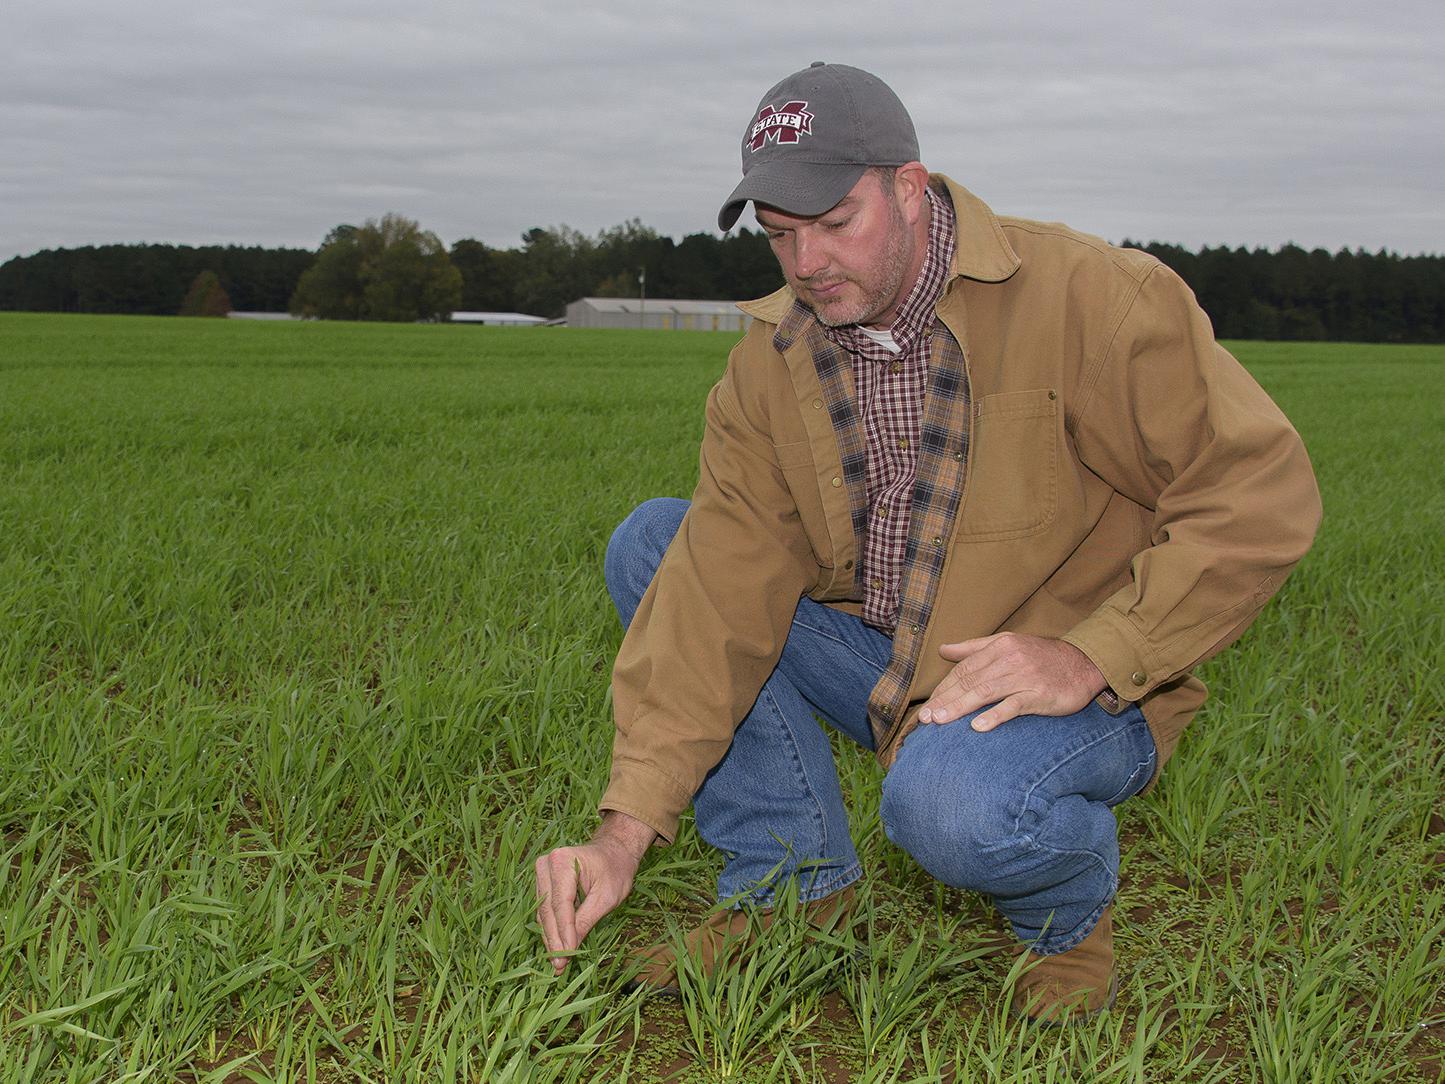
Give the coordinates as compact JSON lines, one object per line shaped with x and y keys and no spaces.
{"x":851,"y":264}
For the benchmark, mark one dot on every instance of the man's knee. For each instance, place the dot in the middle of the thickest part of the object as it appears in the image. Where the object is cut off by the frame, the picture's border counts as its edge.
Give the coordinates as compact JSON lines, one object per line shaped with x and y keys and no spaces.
{"x":963,"y":831}
{"x":636,"y":547}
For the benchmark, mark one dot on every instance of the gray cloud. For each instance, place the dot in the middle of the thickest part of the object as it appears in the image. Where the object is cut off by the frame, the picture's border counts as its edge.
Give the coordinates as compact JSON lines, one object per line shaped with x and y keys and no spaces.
{"x":1239,"y":123}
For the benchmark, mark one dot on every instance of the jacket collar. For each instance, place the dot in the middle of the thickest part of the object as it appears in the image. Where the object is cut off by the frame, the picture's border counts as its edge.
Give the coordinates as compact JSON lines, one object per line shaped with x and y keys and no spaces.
{"x":981,"y":252}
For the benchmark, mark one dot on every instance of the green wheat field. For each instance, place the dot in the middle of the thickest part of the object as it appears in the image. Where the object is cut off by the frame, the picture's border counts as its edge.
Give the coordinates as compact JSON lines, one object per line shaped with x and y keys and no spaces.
{"x":304,"y":657}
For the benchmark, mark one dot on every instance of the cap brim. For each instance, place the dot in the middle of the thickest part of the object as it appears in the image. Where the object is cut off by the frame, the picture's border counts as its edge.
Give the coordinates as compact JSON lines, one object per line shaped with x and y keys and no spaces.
{"x":799,"y":188}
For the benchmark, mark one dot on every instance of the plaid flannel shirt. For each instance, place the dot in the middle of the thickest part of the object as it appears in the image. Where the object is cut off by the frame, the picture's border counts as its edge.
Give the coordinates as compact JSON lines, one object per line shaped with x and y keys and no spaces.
{"x":890,"y":391}
{"x":941,"y":454}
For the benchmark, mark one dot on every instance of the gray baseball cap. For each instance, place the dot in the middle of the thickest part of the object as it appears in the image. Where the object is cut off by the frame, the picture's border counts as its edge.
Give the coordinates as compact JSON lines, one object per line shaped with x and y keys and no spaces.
{"x":813,"y":135}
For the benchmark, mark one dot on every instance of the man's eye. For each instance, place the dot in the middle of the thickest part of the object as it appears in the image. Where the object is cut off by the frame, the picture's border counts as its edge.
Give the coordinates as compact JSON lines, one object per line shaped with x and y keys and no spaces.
{"x":838,"y":224}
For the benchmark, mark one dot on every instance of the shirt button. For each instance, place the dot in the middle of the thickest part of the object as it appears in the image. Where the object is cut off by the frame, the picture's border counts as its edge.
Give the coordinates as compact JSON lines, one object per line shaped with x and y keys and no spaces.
{"x":937,"y":541}
{"x":958,"y":456}
{"x":896,"y":367}
{"x":1138,"y":677}
{"x":913,"y":629}
{"x":903,"y":442}
{"x":875,"y":583}
{"x":837,"y":482}
{"x":882,"y":513}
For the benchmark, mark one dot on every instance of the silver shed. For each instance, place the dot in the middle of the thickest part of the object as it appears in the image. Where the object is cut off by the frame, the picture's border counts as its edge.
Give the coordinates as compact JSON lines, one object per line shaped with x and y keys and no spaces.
{"x":656,"y":313}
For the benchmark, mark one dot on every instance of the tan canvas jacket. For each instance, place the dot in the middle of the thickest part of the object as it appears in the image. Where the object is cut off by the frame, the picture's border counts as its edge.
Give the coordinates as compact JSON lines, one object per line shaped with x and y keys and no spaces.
{"x":1128,"y":487}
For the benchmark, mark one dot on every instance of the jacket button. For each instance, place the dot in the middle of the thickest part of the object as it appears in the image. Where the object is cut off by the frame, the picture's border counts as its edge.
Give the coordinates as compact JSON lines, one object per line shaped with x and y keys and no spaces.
{"x":817,"y":404}
{"x":837,"y":482}
{"x":847,"y":564}
{"x":937,"y":541}
{"x":1138,"y":677}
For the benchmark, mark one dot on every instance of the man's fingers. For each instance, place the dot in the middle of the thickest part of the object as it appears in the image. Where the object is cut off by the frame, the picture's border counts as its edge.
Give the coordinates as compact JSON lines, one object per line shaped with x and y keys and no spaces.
{"x":557,"y":885}
{"x":942,"y":706}
{"x":1010,"y":707}
{"x":594,"y":908}
{"x":955,"y":705}
{"x":969,"y":686}
{"x":964,"y":648}
{"x":948,"y":691}
{"x":550,"y":937}
{"x":564,"y":897}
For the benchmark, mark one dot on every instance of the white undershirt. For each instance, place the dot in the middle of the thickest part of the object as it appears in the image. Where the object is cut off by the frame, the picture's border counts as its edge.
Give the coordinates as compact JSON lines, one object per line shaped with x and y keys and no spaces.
{"x":883,"y":338}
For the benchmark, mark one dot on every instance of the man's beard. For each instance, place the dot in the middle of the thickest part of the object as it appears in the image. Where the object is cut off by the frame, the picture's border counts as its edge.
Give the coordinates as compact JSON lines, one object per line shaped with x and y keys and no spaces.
{"x":885,"y":290}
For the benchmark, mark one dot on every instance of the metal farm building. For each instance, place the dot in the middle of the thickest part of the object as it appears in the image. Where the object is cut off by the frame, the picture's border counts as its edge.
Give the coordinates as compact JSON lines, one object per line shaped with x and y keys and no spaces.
{"x":498,"y":319}
{"x":658,"y":314}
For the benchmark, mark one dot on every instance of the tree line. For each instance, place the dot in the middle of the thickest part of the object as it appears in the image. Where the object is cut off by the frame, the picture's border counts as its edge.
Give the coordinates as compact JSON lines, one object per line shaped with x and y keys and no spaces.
{"x":394,"y":270}
{"x":1294,"y":295}
{"x":149,"y":280}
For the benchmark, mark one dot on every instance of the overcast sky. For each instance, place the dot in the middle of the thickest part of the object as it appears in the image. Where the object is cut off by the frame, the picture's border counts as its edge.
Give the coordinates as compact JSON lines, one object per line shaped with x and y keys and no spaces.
{"x":1253,"y":123}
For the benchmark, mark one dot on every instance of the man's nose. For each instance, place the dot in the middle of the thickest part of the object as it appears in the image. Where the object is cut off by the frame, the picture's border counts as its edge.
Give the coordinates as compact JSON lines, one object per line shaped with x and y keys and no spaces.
{"x":809,"y":255}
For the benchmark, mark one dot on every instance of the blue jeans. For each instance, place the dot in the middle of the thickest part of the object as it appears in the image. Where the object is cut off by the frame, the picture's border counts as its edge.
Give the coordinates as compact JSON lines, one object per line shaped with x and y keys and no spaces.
{"x":1022,"y":813}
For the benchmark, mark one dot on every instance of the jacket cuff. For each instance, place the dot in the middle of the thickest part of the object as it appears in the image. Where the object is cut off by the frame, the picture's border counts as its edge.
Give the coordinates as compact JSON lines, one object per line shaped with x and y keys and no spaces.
{"x":1121,"y":653}
{"x":647,"y":795}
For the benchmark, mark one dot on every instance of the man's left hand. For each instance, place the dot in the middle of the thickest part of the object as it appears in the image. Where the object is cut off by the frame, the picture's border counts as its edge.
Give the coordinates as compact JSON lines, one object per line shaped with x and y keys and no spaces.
{"x":1017,"y":674}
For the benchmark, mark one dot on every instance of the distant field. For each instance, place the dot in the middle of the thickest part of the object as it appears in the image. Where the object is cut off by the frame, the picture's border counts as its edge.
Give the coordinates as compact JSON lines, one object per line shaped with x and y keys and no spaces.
{"x":304,"y":654}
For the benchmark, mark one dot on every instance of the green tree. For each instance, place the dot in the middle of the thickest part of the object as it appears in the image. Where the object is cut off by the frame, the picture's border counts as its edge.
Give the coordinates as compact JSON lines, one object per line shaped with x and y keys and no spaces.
{"x":746,"y":266}
{"x":388,"y":270}
{"x":488,"y":276}
{"x":206,"y":297}
{"x":331,"y":287}
{"x":557,"y":265}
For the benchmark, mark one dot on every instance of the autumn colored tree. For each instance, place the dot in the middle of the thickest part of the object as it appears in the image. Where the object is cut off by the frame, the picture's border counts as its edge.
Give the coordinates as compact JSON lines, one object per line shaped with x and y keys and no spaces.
{"x":206,"y":297}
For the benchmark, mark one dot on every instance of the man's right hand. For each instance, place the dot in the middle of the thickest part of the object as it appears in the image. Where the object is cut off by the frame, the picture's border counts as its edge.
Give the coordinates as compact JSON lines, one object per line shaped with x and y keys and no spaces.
{"x":601,"y":870}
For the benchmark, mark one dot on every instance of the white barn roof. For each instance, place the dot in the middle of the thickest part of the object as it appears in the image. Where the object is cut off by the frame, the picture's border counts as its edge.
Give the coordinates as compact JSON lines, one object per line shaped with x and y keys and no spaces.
{"x":659,"y":304}
{"x":496,"y":318}
{"x":656,"y":314}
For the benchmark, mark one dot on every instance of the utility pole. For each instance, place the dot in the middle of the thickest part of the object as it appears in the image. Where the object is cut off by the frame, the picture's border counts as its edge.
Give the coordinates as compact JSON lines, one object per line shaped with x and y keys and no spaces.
{"x":642,"y":298}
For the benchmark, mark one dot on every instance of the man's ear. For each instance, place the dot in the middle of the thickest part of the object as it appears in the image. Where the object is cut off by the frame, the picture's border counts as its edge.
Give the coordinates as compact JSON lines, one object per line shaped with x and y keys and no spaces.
{"x":909,"y":185}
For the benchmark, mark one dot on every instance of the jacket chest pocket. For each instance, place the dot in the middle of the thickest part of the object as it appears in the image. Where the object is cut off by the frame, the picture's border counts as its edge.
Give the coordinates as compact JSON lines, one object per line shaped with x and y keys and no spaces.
{"x":1013,"y":452}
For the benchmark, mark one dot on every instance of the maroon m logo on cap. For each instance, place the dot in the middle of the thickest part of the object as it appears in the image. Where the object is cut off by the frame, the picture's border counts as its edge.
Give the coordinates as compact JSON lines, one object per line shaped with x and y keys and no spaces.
{"x":784,"y":125}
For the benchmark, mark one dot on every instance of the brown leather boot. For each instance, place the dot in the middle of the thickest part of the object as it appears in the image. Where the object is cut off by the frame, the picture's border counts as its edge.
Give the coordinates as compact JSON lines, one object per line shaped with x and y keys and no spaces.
{"x":723,"y":934}
{"x":1070,"y":986}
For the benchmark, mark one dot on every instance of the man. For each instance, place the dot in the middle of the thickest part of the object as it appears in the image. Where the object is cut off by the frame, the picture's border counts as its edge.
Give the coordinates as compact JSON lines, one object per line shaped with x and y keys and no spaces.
{"x":978,"y":491}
